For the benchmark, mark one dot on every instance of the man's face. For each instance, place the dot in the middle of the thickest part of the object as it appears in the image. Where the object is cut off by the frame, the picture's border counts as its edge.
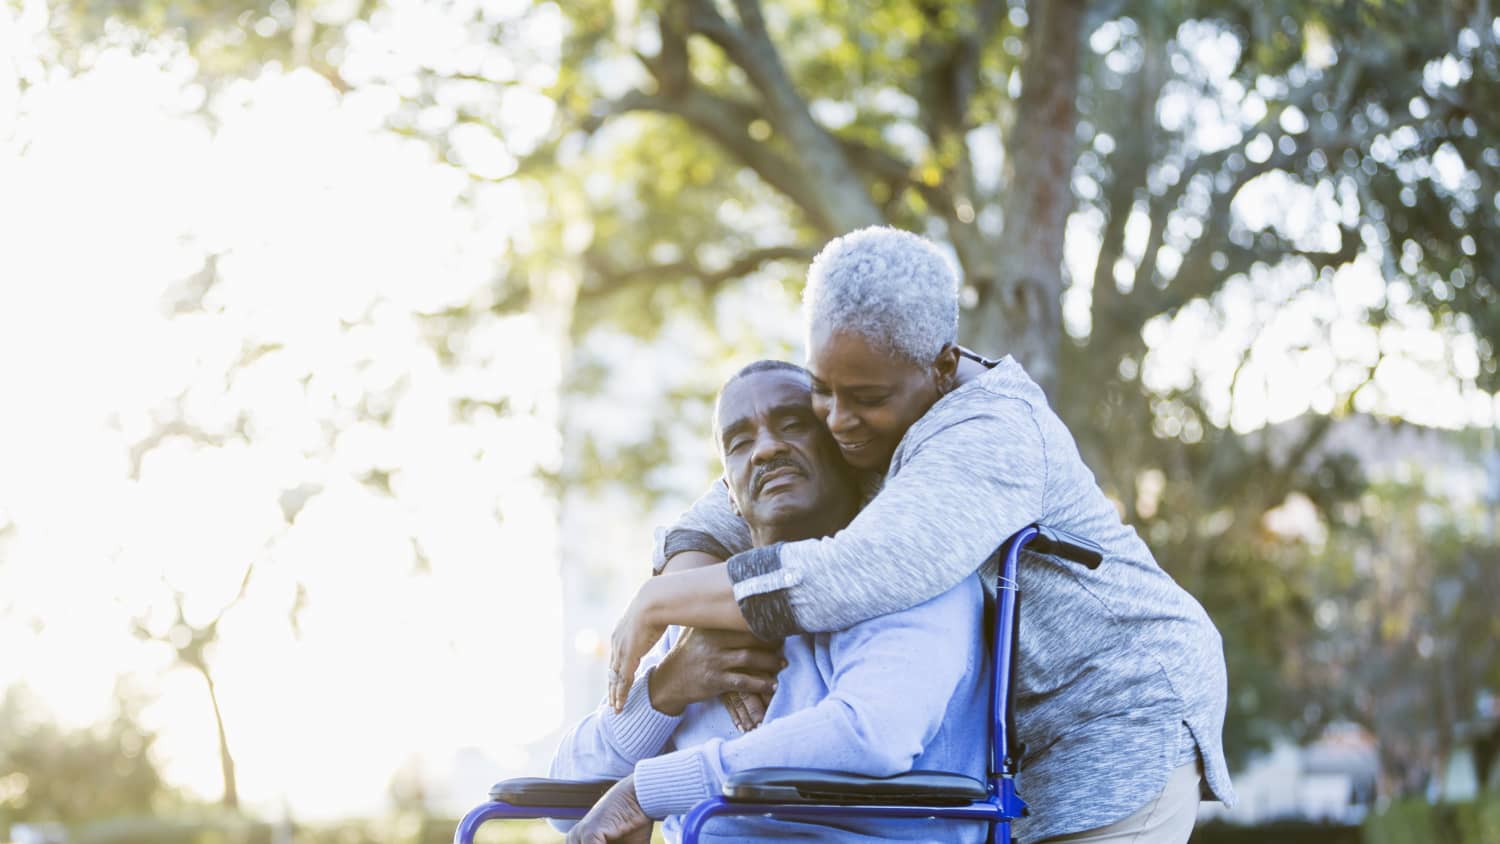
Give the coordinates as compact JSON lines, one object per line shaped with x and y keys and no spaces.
{"x":781,"y":464}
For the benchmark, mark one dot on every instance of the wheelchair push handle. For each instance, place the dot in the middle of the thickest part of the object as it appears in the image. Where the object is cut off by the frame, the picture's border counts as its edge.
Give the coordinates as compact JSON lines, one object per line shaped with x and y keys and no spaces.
{"x":1060,"y":543}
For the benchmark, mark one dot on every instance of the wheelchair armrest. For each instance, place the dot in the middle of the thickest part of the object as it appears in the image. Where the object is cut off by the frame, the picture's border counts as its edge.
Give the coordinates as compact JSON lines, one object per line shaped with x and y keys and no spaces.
{"x":559,"y":794}
{"x":807,"y":785}
{"x":1060,"y":543}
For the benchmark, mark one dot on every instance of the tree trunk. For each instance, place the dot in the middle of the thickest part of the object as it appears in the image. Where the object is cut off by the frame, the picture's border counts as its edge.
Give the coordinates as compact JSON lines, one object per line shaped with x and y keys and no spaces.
{"x":231,"y":799}
{"x":1020,"y":306}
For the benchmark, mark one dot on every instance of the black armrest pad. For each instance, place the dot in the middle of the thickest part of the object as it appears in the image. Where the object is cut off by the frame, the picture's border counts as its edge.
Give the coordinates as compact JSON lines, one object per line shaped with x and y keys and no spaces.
{"x":804,"y":785}
{"x":560,"y":794}
{"x":1060,"y":543}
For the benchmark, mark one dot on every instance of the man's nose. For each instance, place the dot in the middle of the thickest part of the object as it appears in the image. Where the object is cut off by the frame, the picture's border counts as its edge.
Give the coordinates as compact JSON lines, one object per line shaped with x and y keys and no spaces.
{"x":767,"y":446}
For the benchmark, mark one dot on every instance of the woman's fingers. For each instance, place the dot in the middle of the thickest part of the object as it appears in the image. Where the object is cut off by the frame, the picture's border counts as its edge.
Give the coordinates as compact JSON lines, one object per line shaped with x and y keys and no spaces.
{"x":619,"y":684}
{"x":622,"y":665}
{"x":614,"y":672}
{"x":633,"y":636}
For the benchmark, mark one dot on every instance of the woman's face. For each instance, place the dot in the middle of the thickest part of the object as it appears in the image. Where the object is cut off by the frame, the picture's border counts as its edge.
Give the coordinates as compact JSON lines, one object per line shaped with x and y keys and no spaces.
{"x":869,"y":397}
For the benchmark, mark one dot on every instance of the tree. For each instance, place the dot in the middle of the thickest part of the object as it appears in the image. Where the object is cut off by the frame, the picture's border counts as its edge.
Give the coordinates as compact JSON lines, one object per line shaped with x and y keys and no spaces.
{"x":191,"y":644}
{"x":1404,"y":636}
{"x":1214,"y":151}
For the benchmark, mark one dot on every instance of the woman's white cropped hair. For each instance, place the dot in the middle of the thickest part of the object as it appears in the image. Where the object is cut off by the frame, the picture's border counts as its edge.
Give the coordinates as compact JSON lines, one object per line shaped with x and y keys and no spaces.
{"x":890,"y":286}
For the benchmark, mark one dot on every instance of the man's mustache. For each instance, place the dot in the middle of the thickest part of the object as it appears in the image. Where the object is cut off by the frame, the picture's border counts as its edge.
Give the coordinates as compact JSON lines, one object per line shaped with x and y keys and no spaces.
{"x":759,"y":478}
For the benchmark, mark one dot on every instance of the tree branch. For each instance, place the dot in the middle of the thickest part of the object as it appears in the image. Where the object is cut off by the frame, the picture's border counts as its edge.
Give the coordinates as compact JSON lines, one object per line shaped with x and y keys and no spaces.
{"x":670,"y":65}
{"x":164,"y":431}
{"x":950,"y":65}
{"x":612,"y":279}
{"x":883,"y":165}
{"x":947,"y":81}
{"x":1197,"y":278}
{"x":841,"y":198}
{"x":727,"y":122}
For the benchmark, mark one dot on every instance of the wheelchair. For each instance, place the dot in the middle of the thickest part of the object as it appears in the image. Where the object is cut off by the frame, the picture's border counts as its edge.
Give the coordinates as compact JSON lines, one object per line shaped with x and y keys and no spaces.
{"x":809,"y":794}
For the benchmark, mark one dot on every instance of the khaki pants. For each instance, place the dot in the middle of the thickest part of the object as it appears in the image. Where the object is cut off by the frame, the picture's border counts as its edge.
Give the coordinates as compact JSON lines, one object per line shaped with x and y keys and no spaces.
{"x":1167,"y":819}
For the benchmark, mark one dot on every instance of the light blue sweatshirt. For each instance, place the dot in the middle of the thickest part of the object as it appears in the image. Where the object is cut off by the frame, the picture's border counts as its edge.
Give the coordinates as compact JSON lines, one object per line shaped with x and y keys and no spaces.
{"x":901,"y":692}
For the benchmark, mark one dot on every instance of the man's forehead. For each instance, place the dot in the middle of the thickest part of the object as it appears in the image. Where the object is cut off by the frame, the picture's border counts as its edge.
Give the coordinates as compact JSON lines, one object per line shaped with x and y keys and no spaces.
{"x":769,"y":386}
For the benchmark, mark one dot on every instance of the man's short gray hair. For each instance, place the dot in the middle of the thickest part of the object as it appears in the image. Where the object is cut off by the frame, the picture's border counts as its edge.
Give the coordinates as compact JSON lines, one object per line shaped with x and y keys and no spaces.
{"x":895,"y":289}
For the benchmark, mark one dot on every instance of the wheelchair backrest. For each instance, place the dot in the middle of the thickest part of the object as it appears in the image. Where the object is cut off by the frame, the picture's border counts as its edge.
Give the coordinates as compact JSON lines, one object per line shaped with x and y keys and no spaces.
{"x":1004,"y":620}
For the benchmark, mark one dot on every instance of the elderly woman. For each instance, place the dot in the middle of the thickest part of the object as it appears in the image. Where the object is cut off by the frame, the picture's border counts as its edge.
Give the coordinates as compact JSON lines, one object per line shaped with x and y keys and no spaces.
{"x":1121,"y":688}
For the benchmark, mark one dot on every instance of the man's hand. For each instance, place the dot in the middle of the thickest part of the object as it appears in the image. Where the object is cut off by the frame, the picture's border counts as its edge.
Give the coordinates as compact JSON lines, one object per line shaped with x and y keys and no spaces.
{"x":616,"y":817}
{"x":746,"y":710}
{"x":706,"y":663}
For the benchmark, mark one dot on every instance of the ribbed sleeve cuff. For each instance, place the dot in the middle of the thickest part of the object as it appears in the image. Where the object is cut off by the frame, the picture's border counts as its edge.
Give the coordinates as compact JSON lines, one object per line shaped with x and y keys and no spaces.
{"x":672,"y":784}
{"x":639,"y":730}
{"x":760,"y":584}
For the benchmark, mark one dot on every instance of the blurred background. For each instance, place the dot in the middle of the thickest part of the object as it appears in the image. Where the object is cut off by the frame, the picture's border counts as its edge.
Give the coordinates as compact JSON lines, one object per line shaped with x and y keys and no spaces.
{"x":350,"y":350}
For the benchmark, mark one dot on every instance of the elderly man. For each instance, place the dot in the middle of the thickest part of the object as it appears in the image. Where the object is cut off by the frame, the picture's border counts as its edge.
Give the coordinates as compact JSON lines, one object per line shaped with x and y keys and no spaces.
{"x":886,"y":696}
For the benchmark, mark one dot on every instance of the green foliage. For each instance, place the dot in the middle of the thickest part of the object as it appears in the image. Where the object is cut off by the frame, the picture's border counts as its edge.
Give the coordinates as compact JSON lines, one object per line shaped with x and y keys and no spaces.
{"x":420,"y":829}
{"x":226,"y":38}
{"x":52,"y":774}
{"x":1284,"y":832}
{"x":1415,"y":821}
{"x":160,"y":830}
{"x":403,"y":829}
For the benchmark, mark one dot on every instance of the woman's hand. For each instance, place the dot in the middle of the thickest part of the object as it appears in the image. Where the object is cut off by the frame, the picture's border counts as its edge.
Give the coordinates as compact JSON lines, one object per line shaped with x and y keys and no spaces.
{"x":635,"y":633}
{"x":703,"y":597}
{"x":616,"y":817}
{"x":706,"y":663}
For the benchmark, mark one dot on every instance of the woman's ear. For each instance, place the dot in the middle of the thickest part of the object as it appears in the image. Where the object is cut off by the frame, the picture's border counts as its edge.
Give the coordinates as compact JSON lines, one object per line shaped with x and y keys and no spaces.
{"x":945,"y":368}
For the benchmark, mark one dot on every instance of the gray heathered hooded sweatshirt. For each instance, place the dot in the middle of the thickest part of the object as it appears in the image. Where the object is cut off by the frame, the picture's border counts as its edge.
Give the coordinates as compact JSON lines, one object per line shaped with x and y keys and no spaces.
{"x":1121,"y":673}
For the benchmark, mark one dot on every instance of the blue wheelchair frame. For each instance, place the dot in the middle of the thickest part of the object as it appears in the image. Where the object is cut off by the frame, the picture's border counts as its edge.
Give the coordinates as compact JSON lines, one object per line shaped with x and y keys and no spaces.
{"x":811,"y":794}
